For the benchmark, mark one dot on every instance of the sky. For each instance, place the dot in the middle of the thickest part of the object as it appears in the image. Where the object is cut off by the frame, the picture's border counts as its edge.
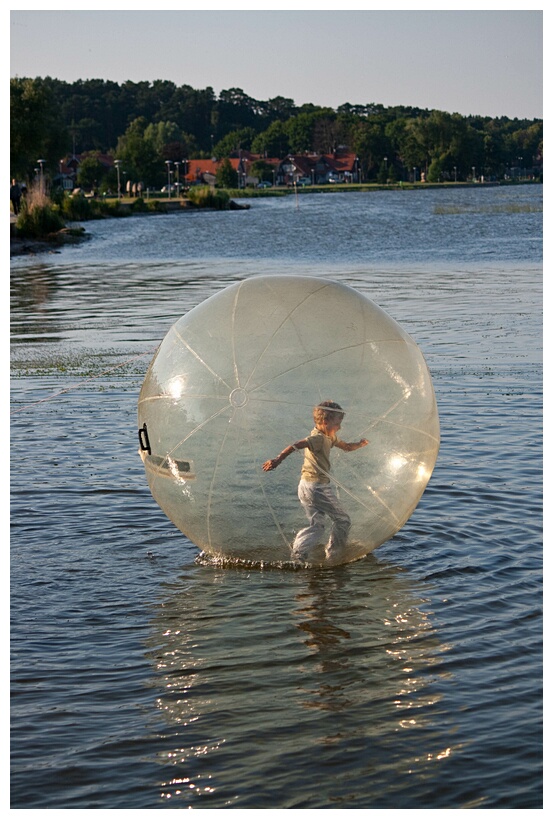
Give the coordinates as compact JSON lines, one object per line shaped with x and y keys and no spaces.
{"x":485,"y":63}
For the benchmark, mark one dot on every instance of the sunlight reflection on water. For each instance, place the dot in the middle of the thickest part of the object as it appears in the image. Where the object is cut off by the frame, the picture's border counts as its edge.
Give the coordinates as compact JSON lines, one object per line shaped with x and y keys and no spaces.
{"x":143,"y":677}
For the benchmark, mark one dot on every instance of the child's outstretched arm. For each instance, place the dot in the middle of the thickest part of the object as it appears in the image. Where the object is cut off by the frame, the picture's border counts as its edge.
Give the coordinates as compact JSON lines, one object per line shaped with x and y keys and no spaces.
{"x":353,"y":446}
{"x":269,"y":465}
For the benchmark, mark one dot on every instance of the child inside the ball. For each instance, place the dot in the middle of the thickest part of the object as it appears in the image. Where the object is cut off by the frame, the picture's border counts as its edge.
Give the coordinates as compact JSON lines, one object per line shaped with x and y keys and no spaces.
{"x":315,"y":490}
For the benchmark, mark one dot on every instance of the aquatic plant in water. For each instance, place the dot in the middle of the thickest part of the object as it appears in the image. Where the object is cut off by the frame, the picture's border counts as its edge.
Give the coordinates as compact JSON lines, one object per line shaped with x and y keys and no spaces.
{"x":38,"y":217}
{"x":206,"y":197}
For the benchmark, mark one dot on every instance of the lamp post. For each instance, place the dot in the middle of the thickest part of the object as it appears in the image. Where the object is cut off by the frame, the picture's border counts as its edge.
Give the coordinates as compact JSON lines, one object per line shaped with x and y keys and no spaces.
{"x":474,"y":173}
{"x":455,"y":172}
{"x":386,"y":168}
{"x":41,"y":165}
{"x":117,"y":164}
{"x":177,"y":164}
{"x":414,"y":174}
{"x":168,"y":163}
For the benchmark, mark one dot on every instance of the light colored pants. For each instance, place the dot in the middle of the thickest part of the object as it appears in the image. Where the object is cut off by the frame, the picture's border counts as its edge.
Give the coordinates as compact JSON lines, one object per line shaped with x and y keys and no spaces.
{"x":319,"y":500}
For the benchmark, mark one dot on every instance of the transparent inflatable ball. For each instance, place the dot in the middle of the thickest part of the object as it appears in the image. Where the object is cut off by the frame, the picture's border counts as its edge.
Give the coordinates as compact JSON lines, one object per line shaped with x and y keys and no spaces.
{"x":235,"y":382}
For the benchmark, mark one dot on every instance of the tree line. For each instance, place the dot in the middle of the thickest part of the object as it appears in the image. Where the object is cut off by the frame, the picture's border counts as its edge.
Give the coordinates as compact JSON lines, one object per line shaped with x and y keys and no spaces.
{"x":146,"y":123}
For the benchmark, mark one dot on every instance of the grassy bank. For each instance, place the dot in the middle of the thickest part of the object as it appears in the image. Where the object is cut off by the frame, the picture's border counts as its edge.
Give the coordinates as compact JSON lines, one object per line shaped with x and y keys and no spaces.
{"x":354,"y":187}
{"x":45,"y":219}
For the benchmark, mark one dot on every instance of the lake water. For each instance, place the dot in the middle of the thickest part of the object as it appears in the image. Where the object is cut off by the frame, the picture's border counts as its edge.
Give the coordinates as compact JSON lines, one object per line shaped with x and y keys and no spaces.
{"x":143,"y":678}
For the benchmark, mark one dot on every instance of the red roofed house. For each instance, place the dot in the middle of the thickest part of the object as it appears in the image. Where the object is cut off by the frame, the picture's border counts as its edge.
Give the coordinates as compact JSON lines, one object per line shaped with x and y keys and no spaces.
{"x":69,"y":167}
{"x":204,"y":171}
{"x":318,"y":169}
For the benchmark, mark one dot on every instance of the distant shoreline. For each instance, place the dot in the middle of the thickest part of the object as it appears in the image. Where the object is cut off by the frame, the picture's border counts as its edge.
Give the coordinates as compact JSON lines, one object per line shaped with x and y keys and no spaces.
{"x":20,"y":246}
{"x":369,"y":187}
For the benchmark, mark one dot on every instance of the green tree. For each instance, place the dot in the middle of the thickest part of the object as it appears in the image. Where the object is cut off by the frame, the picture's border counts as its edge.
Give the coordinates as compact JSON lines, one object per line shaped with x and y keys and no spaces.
{"x":262,"y":170}
{"x":139,"y":156}
{"x":405,"y":142}
{"x":435,"y":170}
{"x":495,"y":153}
{"x":236,"y":110}
{"x":382,"y":176}
{"x":50,"y":116}
{"x":37,"y":131}
{"x":313,"y":129}
{"x":91,"y":172}
{"x":279,"y":108}
{"x":226,"y":176}
{"x":300,"y":132}
{"x":177,"y":151}
{"x":370,"y":144}
{"x":88,"y":134}
{"x":234,"y":141}
{"x":272,"y":142}
{"x":169,"y":141}
{"x":161,"y":134}
{"x":328,"y":133}
{"x":525,"y":145}
{"x":95,"y":111}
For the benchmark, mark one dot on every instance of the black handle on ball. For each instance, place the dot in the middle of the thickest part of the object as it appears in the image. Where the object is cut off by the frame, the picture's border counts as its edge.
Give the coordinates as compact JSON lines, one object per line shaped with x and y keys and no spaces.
{"x":144,"y":440}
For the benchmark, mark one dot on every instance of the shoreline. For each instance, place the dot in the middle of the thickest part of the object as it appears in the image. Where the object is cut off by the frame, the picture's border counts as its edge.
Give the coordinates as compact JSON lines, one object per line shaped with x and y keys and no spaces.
{"x":369,"y":187}
{"x":20,"y":246}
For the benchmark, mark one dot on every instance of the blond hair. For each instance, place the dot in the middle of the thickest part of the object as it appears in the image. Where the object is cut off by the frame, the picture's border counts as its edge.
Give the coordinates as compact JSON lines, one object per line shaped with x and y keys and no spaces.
{"x":327,"y":411}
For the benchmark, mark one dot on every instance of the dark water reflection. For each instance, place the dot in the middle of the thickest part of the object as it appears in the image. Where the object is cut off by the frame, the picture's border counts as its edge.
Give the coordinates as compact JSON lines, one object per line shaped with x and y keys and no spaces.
{"x":411,"y":679}
{"x":343,"y":678}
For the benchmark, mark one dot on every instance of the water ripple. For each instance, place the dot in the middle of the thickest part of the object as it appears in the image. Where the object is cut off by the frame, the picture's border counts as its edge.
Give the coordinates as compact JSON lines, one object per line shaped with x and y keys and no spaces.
{"x":143,"y":677}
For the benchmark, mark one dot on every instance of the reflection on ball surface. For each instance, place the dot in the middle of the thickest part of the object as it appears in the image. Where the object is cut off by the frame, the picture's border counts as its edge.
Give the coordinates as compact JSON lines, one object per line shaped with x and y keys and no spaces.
{"x":235,"y":381}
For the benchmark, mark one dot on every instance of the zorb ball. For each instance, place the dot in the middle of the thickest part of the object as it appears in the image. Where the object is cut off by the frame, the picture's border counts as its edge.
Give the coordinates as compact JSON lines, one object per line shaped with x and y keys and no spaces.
{"x":235,"y":381}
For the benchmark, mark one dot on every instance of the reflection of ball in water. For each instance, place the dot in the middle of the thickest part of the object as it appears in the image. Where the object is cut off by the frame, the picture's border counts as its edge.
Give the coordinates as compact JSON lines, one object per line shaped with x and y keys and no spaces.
{"x":235,"y":381}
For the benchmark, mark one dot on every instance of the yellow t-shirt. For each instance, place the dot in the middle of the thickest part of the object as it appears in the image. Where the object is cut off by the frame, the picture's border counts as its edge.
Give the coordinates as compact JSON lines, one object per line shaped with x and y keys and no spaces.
{"x":316,"y":462}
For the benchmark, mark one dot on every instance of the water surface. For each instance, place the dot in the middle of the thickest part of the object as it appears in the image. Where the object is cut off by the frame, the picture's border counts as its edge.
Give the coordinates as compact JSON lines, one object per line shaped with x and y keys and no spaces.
{"x":143,"y":678}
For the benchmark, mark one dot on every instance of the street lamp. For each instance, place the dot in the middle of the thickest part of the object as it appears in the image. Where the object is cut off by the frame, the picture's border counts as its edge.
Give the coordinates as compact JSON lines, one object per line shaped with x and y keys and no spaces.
{"x":414,"y":174}
{"x":455,"y":172}
{"x":177,"y":164}
{"x":168,"y":163}
{"x":41,"y":164}
{"x":117,"y":164}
